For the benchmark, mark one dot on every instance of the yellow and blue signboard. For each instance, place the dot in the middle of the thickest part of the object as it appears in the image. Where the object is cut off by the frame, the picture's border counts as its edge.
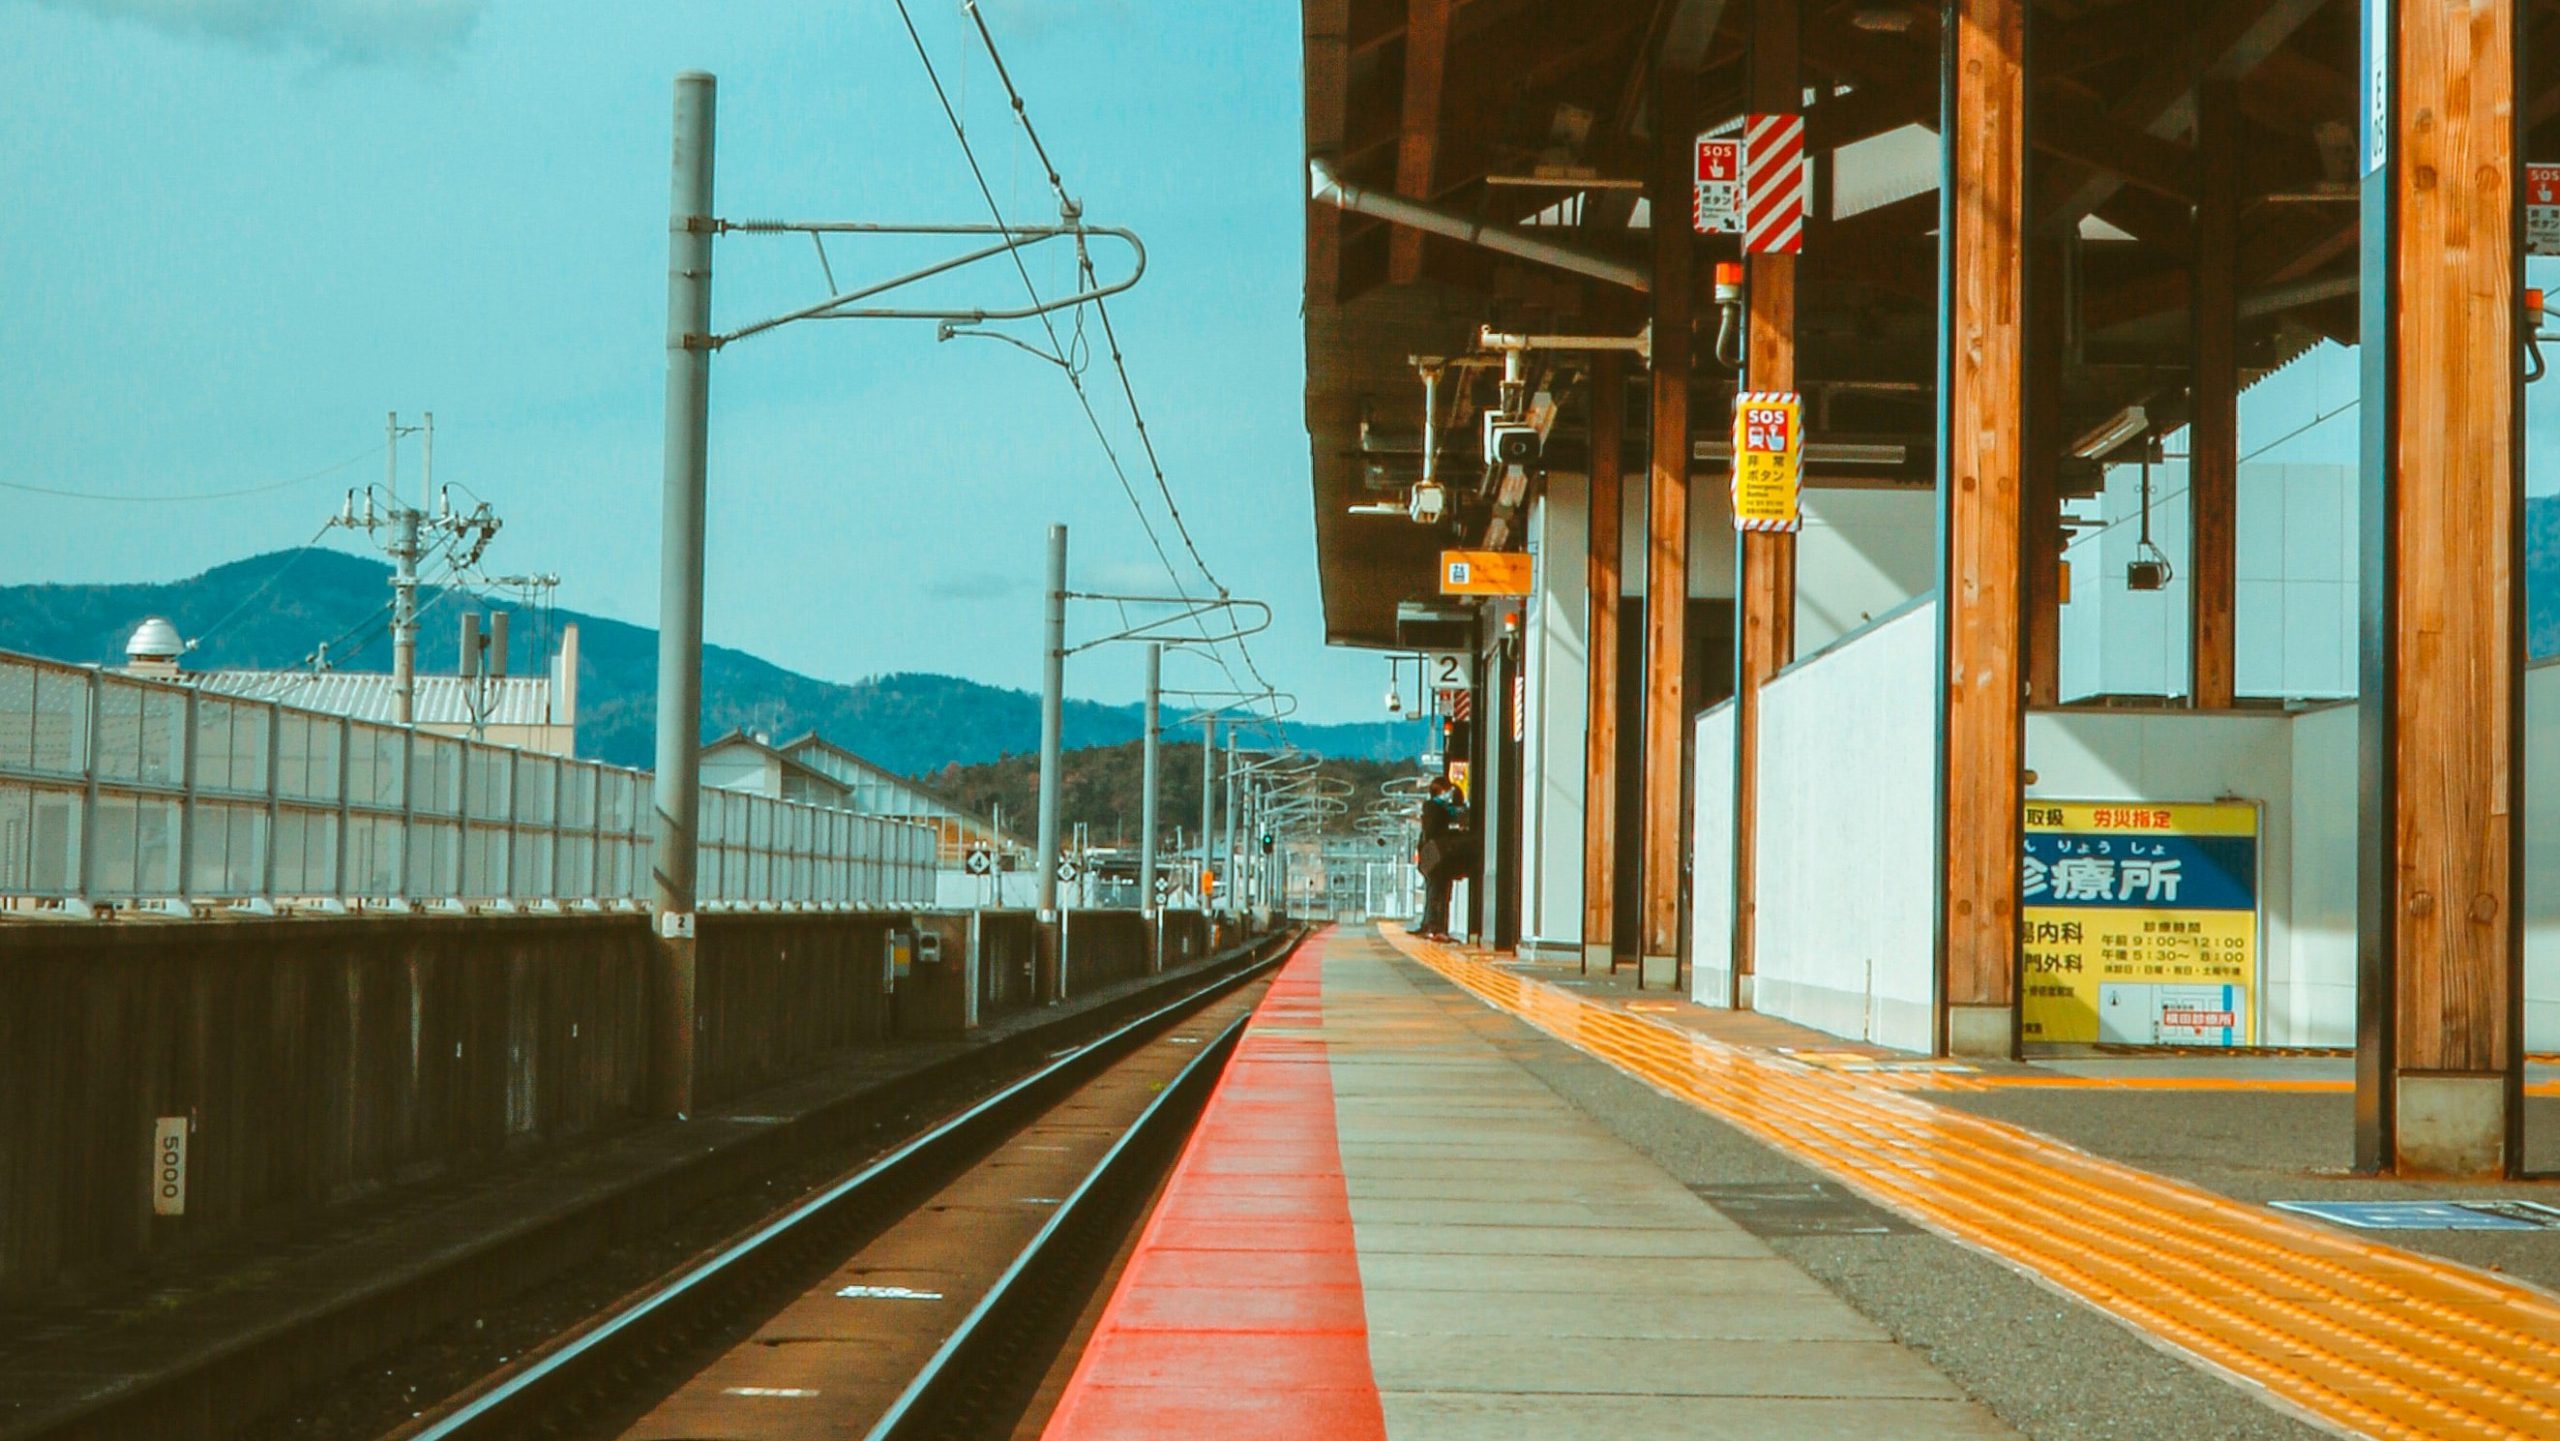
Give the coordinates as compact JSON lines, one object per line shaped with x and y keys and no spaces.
{"x":2139,"y":923}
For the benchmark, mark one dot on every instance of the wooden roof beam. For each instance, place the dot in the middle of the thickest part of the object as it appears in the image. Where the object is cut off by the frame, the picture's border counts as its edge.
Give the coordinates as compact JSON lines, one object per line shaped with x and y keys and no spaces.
{"x":2232,"y":41}
{"x":1426,"y":58}
{"x":2068,"y":124}
{"x":1328,"y":76}
{"x":2072,"y":125}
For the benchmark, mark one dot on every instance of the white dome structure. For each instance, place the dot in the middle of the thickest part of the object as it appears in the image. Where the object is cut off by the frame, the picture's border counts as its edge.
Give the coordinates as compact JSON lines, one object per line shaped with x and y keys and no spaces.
{"x":154,"y":647}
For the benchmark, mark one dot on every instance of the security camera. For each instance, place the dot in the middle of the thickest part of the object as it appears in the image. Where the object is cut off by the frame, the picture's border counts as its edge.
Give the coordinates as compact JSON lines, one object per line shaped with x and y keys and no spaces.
{"x":2146,"y":575}
{"x":1395,"y":703}
{"x":1509,"y":440}
{"x":1429,"y":504}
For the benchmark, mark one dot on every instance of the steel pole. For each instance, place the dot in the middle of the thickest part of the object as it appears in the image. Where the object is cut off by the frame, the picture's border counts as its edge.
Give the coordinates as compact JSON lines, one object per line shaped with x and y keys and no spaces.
{"x":1149,"y":789}
{"x":1233,"y":871}
{"x":676,"y":797}
{"x":1208,"y":802}
{"x":404,"y":614}
{"x":1053,"y":683}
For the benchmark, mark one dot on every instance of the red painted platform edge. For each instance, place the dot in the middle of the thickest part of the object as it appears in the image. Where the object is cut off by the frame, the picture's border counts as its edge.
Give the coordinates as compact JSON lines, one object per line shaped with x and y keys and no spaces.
{"x":1276,"y":1365}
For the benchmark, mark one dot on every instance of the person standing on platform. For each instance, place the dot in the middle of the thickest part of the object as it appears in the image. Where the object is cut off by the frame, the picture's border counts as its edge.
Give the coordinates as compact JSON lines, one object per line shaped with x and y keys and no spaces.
{"x":1442,"y":856}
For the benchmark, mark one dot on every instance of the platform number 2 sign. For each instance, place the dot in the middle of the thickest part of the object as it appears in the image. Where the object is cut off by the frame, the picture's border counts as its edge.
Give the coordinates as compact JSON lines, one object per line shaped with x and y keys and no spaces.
{"x":1450,"y":669}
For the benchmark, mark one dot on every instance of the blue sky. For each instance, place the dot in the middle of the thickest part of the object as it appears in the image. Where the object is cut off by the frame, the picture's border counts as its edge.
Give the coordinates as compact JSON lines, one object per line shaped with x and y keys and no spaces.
{"x":239,"y":231}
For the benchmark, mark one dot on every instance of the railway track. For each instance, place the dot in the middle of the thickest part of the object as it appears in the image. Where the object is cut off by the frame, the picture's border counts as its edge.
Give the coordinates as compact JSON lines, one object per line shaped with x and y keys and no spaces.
{"x":924,"y":1295}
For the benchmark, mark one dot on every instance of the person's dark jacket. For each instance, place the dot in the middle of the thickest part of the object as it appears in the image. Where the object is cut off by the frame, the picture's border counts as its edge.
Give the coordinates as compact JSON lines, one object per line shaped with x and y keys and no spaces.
{"x":1445,"y":838}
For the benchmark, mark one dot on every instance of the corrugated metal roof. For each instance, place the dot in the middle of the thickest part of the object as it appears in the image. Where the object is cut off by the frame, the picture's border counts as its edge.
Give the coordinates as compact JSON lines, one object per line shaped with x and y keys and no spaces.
{"x":436,"y":699}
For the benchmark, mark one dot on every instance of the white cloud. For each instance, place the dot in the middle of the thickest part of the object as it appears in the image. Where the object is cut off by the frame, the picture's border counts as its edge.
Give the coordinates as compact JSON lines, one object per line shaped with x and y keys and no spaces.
{"x":358,"y":31}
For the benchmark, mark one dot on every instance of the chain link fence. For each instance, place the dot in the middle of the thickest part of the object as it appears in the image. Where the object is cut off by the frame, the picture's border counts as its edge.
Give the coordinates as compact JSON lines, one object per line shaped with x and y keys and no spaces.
{"x":117,"y":790}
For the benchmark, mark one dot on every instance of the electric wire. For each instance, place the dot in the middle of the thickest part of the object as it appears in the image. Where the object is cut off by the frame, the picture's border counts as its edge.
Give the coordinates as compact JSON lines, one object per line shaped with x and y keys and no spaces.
{"x":209,"y":632}
{"x":2165,"y":497}
{"x":1013,"y":252}
{"x":181,"y":498}
{"x":1063,"y":352}
{"x":1102,"y":312}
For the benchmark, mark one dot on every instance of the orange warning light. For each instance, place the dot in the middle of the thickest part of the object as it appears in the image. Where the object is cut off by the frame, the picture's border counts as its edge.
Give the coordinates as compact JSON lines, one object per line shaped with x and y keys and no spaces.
{"x":2533,"y":303}
{"x":1728,"y":272}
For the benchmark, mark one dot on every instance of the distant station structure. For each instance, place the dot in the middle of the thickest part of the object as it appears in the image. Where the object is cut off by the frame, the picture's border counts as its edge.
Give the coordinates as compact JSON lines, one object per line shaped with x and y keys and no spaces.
{"x":820,"y":772}
{"x":529,"y":712}
{"x":1803,"y":347}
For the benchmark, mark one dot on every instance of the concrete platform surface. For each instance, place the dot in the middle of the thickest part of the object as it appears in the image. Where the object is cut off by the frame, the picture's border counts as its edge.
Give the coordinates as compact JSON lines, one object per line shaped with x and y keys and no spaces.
{"x":2155,"y":1219}
{"x":1387,"y":1227}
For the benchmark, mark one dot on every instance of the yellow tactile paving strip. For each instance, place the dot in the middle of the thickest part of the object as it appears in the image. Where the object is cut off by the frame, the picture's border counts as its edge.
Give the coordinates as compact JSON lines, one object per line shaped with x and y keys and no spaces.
{"x":2369,"y":1338}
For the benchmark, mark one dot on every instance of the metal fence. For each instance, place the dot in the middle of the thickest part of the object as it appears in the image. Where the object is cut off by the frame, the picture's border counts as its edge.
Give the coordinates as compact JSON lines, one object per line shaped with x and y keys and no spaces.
{"x":115,"y":789}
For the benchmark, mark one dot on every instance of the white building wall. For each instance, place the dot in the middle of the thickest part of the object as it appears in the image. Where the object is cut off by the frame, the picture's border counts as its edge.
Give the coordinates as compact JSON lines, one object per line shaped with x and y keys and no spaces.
{"x":1844,"y":848}
{"x":1710,"y":536}
{"x":1848,"y":734}
{"x":1861,"y":554}
{"x":2541,"y":858}
{"x":1711,"y":860}
{"x":2294,"y":594}
{"x":2319,"y":1006}
{"x":1558,"y":678}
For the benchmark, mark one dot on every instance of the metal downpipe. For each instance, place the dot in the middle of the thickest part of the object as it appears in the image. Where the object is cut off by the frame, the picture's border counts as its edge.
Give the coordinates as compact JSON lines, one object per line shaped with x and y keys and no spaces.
{"x":1330,"y":189}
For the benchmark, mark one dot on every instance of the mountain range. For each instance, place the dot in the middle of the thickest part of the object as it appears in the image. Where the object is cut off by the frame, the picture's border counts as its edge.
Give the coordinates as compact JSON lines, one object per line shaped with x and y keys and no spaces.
{"x":273,"y":611}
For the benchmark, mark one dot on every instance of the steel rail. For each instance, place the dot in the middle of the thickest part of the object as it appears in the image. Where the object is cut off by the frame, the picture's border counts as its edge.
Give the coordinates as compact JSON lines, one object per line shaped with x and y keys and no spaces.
{"x":920,"y":1410}
{"x":593,"y":1356}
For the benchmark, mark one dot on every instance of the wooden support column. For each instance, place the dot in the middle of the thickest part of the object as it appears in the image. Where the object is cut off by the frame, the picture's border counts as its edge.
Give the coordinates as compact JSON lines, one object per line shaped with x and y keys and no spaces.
{"x":1982,"y":374}
{"x":2440,"y":941}
{"x":1600,"y":659}
{"x":2213,"y":433}
{"x":1666,"y":596}
{"x":1426,"y":54}
{"x":1766,"y":571}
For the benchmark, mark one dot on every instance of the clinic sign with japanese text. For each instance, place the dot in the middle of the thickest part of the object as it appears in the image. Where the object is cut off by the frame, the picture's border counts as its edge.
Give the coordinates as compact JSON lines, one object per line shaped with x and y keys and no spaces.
{"x":2139,"y":923}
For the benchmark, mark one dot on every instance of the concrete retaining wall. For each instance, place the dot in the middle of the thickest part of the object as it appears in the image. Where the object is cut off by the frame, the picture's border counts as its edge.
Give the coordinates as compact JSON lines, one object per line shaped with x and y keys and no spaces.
{"x":1104,"y":948}
{"x":1007,"y":946}
{"x":774,"y":992}
{"x":316,"y":1060}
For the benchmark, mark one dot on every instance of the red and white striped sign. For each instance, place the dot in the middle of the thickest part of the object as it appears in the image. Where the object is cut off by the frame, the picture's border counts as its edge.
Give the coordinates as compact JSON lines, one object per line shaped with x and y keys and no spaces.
{"x":1457,"y":703}
{"x":1776,"y":190}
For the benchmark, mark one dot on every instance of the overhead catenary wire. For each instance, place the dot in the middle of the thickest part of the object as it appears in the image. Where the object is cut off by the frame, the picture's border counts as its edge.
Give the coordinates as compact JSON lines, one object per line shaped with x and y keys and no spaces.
{"x":1102,"y":312}
{"x":209,"y":632}
{"x":183,"y":497}
{"x":1072,"y":358}
{"x":2317,"y":420}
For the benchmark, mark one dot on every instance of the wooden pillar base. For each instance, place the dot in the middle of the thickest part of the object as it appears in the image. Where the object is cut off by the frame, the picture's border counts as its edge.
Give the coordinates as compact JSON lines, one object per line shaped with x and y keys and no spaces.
{"x":1661,"y":972}
{"x":1599,"y":959}
{"x":2453,"y":1124}
{"x":1983,"y":1033}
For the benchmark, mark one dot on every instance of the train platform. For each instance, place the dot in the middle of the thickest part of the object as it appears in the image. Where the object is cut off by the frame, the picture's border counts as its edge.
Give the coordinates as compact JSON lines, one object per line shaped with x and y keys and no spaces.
{"x":1443,"y":1195}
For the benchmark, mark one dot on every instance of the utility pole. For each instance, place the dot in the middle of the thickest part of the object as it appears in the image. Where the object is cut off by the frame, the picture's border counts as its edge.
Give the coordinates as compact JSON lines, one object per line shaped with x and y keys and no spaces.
{"x":404,"y":572}
{"x":678,"y":781}
{"x":1208,"y":801}
{"x":1147,"y":789}
{"x":1053,"y":683}
{"x":1234,"y":872}
{"x":409,"y":526}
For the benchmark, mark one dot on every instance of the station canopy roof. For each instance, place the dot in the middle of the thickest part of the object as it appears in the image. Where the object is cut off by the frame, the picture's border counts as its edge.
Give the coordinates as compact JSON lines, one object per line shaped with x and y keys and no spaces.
{"x":1543,"y":122}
